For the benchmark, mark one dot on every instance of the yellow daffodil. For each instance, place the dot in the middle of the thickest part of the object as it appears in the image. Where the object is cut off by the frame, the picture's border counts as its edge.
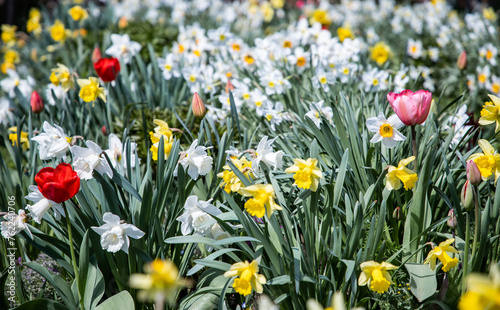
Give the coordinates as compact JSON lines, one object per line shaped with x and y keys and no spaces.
{"x":482,"y":292}
{"x":306,"y":173}
{"x":57,"y":31}
{"x":441,"y":252}
{"x":9,"y":34}
{"x":61,"y":75}
{"x":267,"y":11}
{"x":396,"y":175}
{"x":320,"y":16}
{"x":489,"y":14}
{"x":231,"y":181}
{"x":35,"y":14}
{"x":33,"y":23}
{"x":90,"y":89}
{"x":344,"y":33}
{"x":376,"y":276}
{"x":277,"y":4}
{"x":491,"y":113}
{"x":488,"y":162}
{"x":7,"y":66}
{"x":262,"y":200}
{"x":168,"y":140}
{"x":25,"y":142}
{"x":247,"y":277}
{"x":380,"y":53}
{"x":78,"y":13}
{"x":161,"y":281}
{"x":11,"y":56}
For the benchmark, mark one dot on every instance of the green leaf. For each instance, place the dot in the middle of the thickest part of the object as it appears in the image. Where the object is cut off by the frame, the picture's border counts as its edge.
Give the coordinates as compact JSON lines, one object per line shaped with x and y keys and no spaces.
{"x":423,"y":283}
{"x":94,"y":286}
{"x":120,"y":301}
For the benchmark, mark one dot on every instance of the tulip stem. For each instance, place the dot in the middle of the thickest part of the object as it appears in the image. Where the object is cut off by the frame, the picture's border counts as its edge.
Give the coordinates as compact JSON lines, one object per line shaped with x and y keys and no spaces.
{"x":477,"y":220}
{"x":73,"y":256}
{"x":466,"y":252}
{"x":414,"y":144}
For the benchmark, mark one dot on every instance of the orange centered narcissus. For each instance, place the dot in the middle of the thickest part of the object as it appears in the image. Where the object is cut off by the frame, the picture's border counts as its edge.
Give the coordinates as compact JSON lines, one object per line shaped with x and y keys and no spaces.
{"x":386,"y":130}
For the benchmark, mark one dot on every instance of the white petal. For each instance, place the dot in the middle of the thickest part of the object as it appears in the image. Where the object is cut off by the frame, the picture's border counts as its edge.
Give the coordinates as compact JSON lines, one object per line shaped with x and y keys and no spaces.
{"x":376,"y":138}
{"x":132,"y":231}
{"x":388,"y":142}
{"x":373,"y":124}
{"x":395,"y":122}
{"x":111,"y":219}
{"x":397,"y":136}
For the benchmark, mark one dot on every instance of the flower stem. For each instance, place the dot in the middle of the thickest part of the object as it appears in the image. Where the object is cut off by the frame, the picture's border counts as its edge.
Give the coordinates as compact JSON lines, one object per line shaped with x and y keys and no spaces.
{"x":414,"y":145}
{"x":477,"y":219}
{"x":73,"y":256}
{"x":466,"y":252}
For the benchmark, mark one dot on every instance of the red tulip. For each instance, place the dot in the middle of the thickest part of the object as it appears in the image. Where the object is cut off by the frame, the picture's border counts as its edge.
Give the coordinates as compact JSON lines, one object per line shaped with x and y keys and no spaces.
{"x":411,"y":108}
{"x":36,"y":103}
{"x":107,"y":68}
{"x":59,"y":184}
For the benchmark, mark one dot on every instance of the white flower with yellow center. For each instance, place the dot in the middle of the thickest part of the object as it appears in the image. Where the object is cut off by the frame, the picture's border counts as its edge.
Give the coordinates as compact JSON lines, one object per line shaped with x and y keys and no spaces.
{"x":52,"y":142}
{"x":115,"y":235}
{"x":14,"y":224}
{"x":123,"y":48}
{"x":386,"y":130}
{"x":317,"y":110}
{"x":196,"y":162}
{"x":86,"y":160}
{"x":169,"y":66}
{"x":265,"y":153}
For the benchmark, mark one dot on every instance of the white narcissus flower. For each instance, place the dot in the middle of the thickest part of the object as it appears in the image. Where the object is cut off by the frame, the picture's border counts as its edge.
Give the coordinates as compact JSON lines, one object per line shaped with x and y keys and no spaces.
{"x":13,"y":80}
{"x":54,"y":93}
{"x":115,"y":235}
{"x":386,"y":130}
{"x":86,"y":160}
{"x":52,"y":142}
{"x":169,"y":66}
{"x":196,"y":162}
{"x":117,"y":153}
{"x":317,"y":110}
{"x":42,"y":205}
{"x":265,"y":153}
{"x":6,"y":115}
{"x":123,"y":48}
{"x":197,"y":216}
{"x":15,"y":224}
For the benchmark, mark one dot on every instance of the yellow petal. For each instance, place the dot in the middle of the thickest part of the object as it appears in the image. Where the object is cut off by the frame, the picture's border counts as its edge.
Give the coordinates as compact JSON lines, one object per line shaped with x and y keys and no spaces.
{"x":486,"y":147}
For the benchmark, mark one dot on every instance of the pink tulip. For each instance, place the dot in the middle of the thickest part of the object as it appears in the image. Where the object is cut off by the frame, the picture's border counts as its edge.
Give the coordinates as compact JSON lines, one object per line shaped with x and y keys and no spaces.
{"x":412,"y":108}
{"x":36,"y":103}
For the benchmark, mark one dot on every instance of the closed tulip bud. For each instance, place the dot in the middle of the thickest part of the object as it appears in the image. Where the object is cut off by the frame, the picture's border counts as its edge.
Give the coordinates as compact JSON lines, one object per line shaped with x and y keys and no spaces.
{"x":123,"y":22}
{"x":452,"y":221}
{"x":96,"y":54}
{"x":462,"y":61}
{"x":467,"y":196}
{"x":396,"y":214}
{"x":229,"y":86}
{"x":199,"y":109}
{"x":473,"y":174}
{"x":36,"y":103}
